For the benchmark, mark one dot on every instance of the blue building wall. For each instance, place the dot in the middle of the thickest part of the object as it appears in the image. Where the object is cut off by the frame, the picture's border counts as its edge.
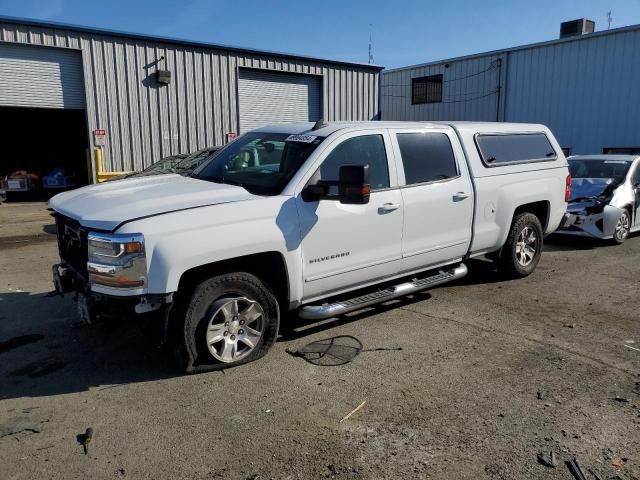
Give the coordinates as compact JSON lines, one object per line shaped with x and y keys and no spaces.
{"x":586,"y":89}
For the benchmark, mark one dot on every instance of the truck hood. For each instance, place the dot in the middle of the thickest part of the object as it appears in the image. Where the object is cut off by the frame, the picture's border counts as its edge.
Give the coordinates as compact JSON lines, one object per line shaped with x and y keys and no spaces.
{"x":106,"y":205}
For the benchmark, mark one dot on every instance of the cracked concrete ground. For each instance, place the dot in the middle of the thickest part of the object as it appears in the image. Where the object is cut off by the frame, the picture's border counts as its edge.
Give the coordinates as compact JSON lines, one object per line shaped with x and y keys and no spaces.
{"x":490,"y":372}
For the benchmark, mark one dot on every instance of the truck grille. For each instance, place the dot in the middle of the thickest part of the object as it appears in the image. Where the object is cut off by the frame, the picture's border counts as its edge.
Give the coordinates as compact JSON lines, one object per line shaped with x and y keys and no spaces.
{"x":72,"y":243}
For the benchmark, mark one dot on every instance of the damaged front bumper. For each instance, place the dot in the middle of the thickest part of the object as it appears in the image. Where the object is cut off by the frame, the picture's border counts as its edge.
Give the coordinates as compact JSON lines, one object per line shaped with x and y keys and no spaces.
{"x":151,"y":309}
{"x":596,"y":224}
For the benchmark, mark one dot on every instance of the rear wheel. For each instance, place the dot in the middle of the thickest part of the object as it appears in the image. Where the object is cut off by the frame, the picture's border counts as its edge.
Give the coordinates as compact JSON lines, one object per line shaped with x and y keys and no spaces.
{"x":230,"y":320}
{"x":623,"y":227}
{"x":521,"y":252}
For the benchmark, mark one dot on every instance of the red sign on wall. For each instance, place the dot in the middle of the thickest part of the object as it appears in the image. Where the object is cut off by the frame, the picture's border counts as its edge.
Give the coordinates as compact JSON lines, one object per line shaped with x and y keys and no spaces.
{"x":99,"y":135}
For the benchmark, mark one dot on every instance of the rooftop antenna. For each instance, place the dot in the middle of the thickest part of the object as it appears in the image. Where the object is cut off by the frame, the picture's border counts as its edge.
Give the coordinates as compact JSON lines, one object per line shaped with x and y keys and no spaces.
{"x":609,"y":19}
{"x":370,"y":46}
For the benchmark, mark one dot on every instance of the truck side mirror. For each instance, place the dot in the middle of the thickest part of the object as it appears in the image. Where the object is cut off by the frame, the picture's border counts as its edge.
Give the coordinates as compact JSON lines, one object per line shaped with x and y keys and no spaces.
{"x":353,"y":184}
{"x":315,"y":192}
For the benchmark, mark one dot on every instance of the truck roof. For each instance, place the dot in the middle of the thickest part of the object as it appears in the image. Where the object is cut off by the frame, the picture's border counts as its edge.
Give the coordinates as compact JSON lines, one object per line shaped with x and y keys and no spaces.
{"x":331,"y":127}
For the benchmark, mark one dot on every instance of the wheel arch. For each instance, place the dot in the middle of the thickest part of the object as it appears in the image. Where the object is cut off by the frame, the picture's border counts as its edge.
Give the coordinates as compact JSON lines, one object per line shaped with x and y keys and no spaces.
{"x":540,"y":209}
{"x":269,"y":267}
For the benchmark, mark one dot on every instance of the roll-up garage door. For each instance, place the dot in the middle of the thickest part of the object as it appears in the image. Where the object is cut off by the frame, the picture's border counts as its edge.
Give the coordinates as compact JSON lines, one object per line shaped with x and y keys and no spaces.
{"x":42,"y":77}
{"x":268,"y":97}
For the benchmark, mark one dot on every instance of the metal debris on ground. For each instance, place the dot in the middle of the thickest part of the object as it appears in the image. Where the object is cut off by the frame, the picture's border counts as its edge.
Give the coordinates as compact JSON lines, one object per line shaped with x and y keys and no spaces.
{"x":632,"y":348}
{"x":18,"y":424}
{"x":334,"y":351}
{"x":548,"y":459}
{"x":575,"y":469}
{"x":84,"y":439}
{"x":352,"y":412}
{"x":331,"y":351}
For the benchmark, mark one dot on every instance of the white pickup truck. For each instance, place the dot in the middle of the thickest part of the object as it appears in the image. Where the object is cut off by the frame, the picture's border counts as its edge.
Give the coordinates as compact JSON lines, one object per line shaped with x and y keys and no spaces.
{"x":318,"y":219}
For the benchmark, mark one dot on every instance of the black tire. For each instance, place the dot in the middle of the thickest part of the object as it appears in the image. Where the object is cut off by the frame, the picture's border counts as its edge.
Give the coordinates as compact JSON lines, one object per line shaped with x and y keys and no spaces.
{"x":190,"y":341}
{"x":511,"y":260}
{"x":620,"y":237}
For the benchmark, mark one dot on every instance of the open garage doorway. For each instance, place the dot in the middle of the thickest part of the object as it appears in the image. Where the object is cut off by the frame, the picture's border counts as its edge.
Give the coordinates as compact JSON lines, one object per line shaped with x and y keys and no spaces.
{"x":42,"y":120}
{"x":40,"y":140}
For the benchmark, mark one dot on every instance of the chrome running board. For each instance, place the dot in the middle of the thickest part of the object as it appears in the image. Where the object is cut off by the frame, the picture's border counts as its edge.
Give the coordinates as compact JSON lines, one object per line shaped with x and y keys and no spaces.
{"x":328,"y":310}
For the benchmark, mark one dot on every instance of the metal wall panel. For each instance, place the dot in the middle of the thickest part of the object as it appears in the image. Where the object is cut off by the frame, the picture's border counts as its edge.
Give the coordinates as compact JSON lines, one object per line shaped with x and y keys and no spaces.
{"x":266,"y":97}
{"x":40,"y":77}
{"x":146,"y":121}
{"x":586,"y":89}
{"x":587,"y":92}
{"x":469,"y":91}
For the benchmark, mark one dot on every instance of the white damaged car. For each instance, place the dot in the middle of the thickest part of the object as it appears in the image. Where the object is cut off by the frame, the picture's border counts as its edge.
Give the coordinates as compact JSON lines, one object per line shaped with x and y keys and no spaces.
{"x":605,"y":196}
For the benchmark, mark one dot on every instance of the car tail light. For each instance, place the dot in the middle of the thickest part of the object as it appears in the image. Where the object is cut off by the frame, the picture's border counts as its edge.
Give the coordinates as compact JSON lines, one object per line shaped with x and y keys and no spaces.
{"x":567,"y":189}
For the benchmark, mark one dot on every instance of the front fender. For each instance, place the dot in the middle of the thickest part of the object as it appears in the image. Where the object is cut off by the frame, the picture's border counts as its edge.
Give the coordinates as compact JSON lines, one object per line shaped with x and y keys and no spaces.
{"x":179,"y":241}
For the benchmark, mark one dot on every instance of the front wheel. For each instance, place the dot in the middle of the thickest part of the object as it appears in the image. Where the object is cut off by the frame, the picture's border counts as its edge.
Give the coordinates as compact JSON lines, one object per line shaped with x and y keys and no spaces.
{"x":230,"y":320}
{"x":521,"y":252}
{"x":623,"y":228}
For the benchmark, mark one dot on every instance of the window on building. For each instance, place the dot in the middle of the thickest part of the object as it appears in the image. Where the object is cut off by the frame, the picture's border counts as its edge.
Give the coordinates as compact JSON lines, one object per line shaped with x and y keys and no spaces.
{"x":363,"y":150}
{"x":426,"y":89}
{"x":621,"y":151}
{"x":426,"y":157}
{"x":497,"y":149}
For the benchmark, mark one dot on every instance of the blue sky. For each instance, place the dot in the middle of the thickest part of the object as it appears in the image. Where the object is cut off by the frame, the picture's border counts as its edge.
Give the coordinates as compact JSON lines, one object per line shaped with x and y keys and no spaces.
{"x":404,"y":32}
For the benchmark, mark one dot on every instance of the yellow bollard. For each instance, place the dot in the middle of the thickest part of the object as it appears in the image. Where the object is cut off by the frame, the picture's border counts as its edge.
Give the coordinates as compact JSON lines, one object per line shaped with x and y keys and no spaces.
{"x":102,"y":176}
{"x":97,"y":155}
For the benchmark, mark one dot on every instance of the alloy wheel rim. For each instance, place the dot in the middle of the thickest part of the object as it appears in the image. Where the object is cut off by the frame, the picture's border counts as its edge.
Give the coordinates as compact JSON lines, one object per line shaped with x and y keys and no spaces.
{"x":622,"y":227}
{"x":526,"y":246}
{"x":235,"y":328}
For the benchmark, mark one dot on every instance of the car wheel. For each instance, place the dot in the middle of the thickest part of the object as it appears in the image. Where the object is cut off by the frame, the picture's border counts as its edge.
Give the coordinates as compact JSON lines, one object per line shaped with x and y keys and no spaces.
{"x":230,"y":320}
{"x":623,"y":228}
{"x":521,"y":252}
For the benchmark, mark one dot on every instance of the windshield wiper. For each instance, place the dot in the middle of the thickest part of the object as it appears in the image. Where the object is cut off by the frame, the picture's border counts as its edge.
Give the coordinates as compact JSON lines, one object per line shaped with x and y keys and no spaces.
{"x":211,"y":178}
{"x":219,"y":179}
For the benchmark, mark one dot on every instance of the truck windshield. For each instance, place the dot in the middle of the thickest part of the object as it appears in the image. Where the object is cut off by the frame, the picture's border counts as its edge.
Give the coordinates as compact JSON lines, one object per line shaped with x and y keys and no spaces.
{"x":609,"y":169}
{"x":261,"y":162}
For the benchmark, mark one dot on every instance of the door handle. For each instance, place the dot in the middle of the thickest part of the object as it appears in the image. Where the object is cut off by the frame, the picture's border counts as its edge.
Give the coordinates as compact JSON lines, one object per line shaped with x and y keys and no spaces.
{"x":388,"y":207}
{"x":460,"y":196}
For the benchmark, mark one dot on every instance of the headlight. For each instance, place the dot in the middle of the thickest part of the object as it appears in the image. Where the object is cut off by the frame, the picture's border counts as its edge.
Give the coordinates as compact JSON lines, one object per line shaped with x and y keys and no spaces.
{"x":117,"y":260}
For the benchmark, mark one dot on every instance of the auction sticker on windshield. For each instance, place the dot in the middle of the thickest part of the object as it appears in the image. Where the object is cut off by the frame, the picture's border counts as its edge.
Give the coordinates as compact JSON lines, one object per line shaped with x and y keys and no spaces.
{"x":301,"y":138}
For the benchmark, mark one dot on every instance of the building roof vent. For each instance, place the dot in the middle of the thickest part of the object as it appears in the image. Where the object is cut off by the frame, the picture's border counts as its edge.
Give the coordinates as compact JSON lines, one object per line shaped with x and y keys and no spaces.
{"x":574,"y":28}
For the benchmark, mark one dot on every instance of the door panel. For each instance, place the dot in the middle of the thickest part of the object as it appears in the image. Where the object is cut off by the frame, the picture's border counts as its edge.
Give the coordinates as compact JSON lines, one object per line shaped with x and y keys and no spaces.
{"x":437,"y":197}
{"x":347,"y":244}
{"x":344,"y":245}
{"x":437,"y":221}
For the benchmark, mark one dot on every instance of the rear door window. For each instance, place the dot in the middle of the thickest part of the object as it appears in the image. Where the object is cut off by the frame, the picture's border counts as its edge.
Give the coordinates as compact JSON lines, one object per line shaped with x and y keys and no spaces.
{"x":426,"y":157}
{"x":504,"y":149}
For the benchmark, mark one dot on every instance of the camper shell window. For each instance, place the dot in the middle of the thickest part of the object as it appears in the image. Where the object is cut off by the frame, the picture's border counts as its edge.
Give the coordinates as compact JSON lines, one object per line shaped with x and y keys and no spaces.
{"x":497,"y":149}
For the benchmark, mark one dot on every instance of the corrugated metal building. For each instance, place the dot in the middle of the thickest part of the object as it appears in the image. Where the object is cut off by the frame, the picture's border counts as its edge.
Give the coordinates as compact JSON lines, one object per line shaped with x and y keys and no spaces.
{"x":59,"y":83}
{"x":586,"y":88}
